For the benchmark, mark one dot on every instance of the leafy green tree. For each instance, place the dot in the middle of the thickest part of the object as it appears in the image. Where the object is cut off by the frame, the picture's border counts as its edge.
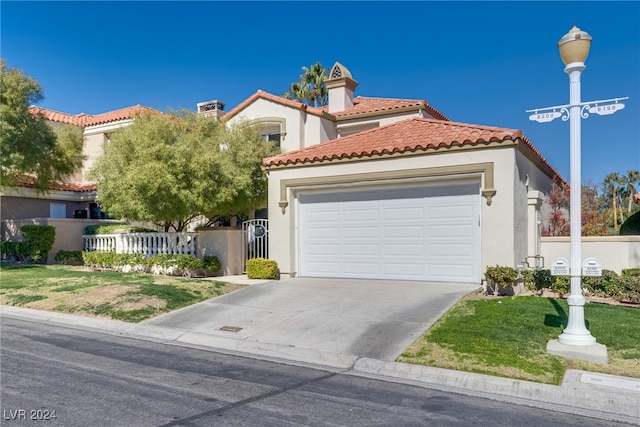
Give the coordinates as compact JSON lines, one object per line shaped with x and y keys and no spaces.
{"x":310,"y":89}
{"x":28,"y":145}
{"x":173,"y":168}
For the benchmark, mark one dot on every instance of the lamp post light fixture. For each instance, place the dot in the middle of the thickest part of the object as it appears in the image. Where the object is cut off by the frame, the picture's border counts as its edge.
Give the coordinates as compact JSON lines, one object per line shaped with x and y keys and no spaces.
{"x":576,"y":340}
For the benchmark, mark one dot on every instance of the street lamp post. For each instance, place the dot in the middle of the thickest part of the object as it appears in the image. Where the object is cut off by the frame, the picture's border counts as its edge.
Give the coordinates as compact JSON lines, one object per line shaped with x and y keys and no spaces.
{"x":576,"y":340}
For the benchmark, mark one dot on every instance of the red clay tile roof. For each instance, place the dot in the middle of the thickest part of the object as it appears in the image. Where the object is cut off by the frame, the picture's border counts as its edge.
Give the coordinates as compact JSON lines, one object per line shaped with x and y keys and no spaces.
{"x":361,"y":105}
{"x":30,"y":182}
{"x":84,"y":120}
{"x":365,"y":105}
{"x":260,"y":94}
{"x":410,"y":135}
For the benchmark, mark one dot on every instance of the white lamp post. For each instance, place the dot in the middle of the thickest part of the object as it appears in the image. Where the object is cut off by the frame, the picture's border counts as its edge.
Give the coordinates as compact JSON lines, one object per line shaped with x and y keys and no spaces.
{"x":574,"y":48}
{"x":576,"y":340}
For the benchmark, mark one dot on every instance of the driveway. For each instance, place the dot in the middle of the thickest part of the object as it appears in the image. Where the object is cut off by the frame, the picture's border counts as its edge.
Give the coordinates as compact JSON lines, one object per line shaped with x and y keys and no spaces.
{"x":370,"y":318}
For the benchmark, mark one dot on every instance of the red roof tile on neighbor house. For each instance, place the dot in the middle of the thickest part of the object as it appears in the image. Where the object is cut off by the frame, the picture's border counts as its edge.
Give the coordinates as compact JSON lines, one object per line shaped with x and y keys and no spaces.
{"x":410,"y":135}
{"x":30,"y":182}
{"x":361,"y":105}
{"x":367,"y":105}
{"x":260,"y":94}
{"x":84,"y":120}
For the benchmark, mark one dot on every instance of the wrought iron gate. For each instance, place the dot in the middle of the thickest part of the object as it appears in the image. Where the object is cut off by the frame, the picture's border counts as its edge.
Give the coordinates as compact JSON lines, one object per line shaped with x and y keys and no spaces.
{"x":255,"y":240}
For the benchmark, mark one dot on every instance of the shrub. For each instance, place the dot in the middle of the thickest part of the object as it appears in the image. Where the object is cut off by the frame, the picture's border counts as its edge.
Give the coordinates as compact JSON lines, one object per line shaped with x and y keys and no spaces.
{"x":607,"y":285}
{"x":19,"y":250}
{"x":542,"y":279}
{"x":39,"y":240}
{"x":115,"y":228}
{"x":260,"y":268}
{"x":527,"y":278}
{"x":631,"y":272}
{"x":69,"y":257}
{"x":211,"y":263}
{"x":500,"y":275}
{"x":631,"y":226}
{"x":561,"y":284}
{"x":99,"y":260}
{"x":175,"y":264}
{"x":630,"y":289}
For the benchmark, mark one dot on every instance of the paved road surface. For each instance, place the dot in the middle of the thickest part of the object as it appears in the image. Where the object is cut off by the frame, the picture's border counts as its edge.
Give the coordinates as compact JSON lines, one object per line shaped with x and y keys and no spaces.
{"x":94,"y":379}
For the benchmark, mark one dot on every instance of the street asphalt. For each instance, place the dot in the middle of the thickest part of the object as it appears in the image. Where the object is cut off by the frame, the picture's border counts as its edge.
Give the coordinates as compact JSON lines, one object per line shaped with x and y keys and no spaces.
{"x":353,"y":326}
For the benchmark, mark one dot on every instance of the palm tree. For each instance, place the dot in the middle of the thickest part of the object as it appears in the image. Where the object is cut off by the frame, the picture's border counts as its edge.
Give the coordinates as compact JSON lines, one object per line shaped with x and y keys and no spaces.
{"x":632,"y":178}
{"x":611,"y":184}
{"x":311,"y":89}
{"x":314,"y":77}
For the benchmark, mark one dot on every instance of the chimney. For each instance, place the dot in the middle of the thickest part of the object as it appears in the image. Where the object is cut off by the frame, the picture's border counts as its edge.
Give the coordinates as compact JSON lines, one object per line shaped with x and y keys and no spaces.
{"x":340,"y":86}
{"x":213,"y":109}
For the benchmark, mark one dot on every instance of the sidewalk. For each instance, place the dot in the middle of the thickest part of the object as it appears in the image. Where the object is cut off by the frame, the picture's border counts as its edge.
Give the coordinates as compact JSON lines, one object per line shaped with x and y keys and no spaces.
{"x":584,"y":393}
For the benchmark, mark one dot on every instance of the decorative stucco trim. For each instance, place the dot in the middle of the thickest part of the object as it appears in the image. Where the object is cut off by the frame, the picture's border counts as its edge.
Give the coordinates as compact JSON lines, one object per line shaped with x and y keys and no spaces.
{"x":280,"y":121}
{"x":399,"y":110}
{"x":487,"y":169}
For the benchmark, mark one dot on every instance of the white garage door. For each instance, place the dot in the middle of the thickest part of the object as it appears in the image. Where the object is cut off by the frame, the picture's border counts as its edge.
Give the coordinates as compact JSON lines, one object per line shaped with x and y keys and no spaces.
{"x":427,"y":233}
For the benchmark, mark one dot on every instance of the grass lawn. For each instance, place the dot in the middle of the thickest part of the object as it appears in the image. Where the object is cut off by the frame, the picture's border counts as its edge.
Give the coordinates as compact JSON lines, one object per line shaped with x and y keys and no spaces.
{"x":508,"y":336}
{"x":131,"y":297}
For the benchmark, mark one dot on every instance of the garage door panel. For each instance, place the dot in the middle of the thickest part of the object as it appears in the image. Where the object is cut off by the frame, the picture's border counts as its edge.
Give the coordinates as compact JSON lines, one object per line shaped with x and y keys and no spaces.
{"x":446,"y":272}
{"x":410,"y":233}
{"x":403,"y":214}
{"x":402,"y":270}
{"x":451,"y":250}
{"x":355,"y":250}
{"x":402,"y":249}
{"x":451,"y":231}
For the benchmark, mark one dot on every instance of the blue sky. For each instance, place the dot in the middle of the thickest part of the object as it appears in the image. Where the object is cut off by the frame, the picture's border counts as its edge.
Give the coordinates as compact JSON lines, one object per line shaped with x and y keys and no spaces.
{"x":477,"y":62}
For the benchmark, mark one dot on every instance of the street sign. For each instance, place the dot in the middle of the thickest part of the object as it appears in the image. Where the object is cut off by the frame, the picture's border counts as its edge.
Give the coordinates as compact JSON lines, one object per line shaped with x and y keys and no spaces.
{"x":545,"y":117}
{"x":605,"y":110}
{"x":591,"y":267}
{"x":560,"y":267}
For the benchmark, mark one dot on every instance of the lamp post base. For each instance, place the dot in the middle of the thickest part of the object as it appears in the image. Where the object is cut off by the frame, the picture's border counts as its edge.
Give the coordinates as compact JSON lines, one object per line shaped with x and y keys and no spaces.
{"x":592,"y":353}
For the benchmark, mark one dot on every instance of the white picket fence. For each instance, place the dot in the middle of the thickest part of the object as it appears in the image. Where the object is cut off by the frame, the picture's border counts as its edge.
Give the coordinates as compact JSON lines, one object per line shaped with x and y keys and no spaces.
{"x":149,"y":244}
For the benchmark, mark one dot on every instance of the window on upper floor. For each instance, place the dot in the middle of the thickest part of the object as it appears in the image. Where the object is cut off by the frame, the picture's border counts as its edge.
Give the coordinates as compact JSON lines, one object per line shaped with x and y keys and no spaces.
{"x":273,"y":129}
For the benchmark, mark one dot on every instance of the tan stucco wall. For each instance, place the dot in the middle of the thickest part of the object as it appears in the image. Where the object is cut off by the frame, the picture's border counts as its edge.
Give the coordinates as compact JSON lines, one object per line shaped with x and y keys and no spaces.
{"x":614,"y":252}
{"x":498,"y":220}
{"x":302,"y":129}
{"x":224,"y":243}
{"x":92,"y":150}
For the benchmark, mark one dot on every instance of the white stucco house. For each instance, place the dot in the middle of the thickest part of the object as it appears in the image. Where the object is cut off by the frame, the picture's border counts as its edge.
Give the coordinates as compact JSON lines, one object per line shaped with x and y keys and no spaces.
{"x":385,"y":188}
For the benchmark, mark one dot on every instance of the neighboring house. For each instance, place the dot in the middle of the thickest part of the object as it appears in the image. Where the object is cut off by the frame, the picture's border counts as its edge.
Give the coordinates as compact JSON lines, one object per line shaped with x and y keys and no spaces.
{"x":384,"y":188}
{"x":75,"y":198}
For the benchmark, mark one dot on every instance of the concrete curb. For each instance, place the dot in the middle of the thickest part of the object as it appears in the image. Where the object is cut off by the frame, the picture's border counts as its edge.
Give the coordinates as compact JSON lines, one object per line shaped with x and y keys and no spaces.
{"x":573,"y":396}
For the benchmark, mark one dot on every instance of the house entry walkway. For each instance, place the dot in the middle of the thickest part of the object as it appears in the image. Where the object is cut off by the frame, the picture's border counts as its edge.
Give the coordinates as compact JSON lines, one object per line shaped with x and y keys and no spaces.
{"x":369,"y":318}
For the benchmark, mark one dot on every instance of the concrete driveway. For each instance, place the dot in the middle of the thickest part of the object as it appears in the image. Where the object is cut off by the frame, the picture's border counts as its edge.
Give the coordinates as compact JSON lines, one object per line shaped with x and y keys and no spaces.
{"x":370,"y":318}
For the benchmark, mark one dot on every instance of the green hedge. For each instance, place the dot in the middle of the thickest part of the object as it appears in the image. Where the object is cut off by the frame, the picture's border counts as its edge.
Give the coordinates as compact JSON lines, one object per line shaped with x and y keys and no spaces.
{"x":260,"y":268}
{"x":38,"y":241}
{"x":186,"y":265}
{"x":19,"y":250}
{"x":624,"y":287}
{"x":69,"y":257}
{"x":113,"y":228}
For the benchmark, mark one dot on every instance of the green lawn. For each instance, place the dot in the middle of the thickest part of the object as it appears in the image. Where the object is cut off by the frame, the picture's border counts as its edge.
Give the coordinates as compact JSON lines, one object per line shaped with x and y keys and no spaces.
{"x":508,"y":337}
{"x":131,"y":297}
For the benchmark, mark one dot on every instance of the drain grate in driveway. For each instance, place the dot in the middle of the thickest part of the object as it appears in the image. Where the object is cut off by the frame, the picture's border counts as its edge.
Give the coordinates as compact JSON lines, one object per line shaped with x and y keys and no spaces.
{"x":230,"y":328}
